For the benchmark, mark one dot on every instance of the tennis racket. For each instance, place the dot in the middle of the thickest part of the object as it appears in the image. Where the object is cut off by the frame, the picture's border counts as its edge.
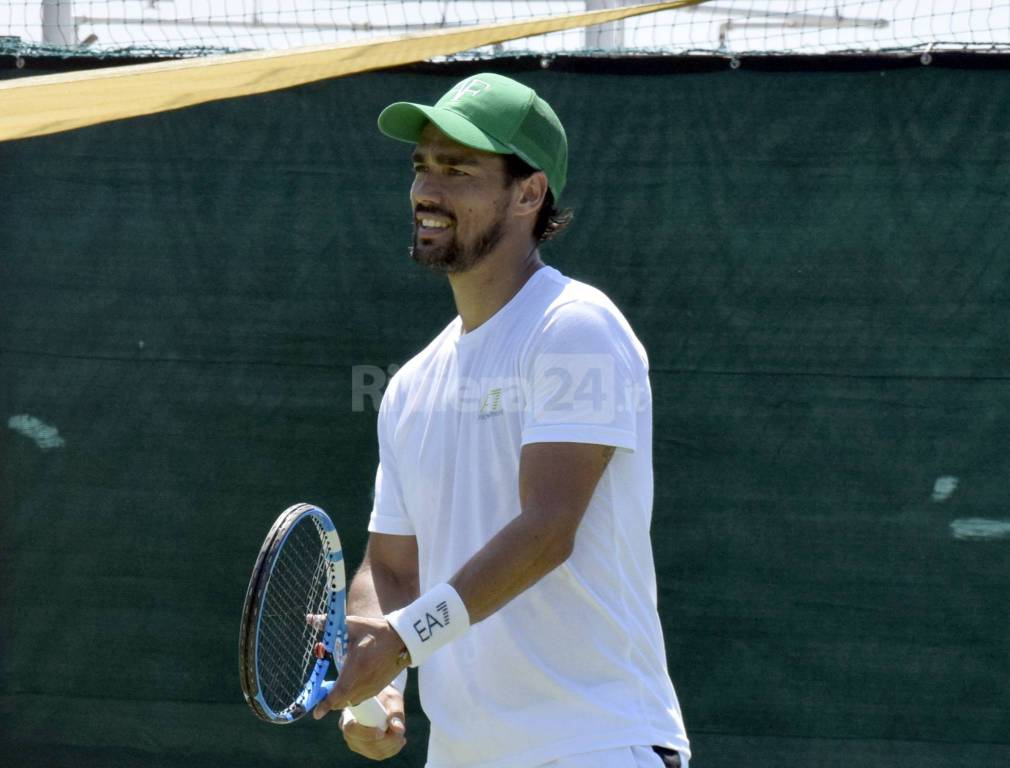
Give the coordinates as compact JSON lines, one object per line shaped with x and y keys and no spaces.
{"x":294,"y":626}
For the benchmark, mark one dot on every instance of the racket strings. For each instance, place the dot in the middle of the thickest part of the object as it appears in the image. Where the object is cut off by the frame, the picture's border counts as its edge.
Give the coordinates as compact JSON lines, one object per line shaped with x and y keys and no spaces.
{"x":296,"y":590}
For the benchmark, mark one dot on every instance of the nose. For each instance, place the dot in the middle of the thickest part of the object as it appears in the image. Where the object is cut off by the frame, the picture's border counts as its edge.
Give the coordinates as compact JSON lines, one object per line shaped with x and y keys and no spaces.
{"x":426,"y":191}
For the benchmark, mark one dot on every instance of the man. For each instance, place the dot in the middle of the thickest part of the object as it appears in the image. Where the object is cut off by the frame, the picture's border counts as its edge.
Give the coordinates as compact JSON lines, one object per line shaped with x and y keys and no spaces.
{"x":509,"y":555}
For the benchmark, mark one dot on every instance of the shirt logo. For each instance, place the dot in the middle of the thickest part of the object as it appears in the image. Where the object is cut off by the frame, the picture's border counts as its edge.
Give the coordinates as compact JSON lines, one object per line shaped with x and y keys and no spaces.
{"x":491,"y":405}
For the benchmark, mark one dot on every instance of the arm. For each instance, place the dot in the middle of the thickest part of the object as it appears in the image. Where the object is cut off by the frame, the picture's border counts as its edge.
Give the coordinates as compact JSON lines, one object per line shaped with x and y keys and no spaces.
{"x":386,"y":580}
{"x":556,"y":482}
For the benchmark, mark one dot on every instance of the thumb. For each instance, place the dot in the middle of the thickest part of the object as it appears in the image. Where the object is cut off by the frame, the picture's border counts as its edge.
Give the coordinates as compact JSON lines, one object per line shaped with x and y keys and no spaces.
{"x":322,"y":709}
{"x":396,"y":725}
{"x":392,"y":700}
{"x":330,"y":702}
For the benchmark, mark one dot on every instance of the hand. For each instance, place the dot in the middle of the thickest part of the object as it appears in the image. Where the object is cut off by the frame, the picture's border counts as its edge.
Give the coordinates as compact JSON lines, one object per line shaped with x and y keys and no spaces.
{"x":375,"y":655}
{"x":374,"y":743}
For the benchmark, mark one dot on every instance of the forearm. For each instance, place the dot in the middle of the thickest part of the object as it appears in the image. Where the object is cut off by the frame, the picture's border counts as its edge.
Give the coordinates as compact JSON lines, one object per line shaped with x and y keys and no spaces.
{"x":515,"y":558}
{"x":377,"y":589}
{"x":556,"y":482}
{"x":386,"y":580}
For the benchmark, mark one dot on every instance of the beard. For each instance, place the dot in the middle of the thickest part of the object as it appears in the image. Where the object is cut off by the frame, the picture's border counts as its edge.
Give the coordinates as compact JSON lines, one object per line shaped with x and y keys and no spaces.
{"x":453,"y":256}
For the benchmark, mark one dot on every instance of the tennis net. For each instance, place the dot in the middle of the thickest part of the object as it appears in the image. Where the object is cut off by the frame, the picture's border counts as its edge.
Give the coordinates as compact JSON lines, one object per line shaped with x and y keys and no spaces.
{"x":189,"y":28}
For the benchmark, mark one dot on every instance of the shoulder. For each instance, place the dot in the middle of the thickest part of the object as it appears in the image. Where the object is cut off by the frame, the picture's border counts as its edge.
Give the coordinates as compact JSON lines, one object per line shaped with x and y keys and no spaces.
{"x":574,"y":301}
{"x":581,"y":314}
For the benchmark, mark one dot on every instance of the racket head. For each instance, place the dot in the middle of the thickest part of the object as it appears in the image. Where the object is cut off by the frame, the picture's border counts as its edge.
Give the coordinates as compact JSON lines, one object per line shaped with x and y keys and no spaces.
{"x":299,"y":572}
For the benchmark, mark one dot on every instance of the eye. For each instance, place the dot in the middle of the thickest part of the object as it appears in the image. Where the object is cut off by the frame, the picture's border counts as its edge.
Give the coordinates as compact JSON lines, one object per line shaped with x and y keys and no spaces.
{"x":420,"y":168}
{"x":455,"y":172}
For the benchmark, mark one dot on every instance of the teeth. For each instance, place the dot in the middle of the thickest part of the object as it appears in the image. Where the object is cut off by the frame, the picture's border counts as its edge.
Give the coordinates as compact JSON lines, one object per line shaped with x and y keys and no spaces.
{"x":431,"y":223}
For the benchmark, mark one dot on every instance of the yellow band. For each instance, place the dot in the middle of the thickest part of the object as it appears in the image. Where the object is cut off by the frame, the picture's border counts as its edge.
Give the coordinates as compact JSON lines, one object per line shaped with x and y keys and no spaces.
{"x":34,"y":106}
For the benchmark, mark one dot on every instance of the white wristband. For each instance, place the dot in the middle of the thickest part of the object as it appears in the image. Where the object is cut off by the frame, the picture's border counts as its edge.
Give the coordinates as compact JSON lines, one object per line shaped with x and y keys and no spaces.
{"x":435,"y":619}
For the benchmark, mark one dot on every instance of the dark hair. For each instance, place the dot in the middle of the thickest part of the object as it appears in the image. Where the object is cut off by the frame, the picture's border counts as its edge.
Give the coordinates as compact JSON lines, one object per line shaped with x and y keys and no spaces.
{"x":550,"y":221}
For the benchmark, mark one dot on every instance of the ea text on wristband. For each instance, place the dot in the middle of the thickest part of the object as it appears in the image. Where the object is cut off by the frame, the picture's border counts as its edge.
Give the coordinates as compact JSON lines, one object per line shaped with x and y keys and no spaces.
{"x":435,"y":619}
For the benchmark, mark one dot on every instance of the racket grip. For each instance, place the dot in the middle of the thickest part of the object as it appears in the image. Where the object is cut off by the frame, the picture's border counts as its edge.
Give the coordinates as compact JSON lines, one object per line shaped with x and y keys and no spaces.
{"x":371,"y":713}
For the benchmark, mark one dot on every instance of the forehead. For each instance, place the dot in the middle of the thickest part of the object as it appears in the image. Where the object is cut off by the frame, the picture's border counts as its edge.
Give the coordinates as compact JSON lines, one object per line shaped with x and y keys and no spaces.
{"x":433,"y":144}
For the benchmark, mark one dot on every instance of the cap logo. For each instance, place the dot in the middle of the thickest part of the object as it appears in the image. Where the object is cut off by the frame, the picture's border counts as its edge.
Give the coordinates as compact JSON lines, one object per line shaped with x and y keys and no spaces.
{"x":472,"y":87}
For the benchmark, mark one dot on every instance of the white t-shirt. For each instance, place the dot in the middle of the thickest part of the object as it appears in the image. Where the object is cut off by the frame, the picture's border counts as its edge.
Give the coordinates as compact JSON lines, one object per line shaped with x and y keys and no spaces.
{"x":576,"y":663}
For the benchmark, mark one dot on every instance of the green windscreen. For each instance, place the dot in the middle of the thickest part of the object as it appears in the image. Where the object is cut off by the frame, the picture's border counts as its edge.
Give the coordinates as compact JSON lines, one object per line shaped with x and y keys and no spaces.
{"x":199,"y":310}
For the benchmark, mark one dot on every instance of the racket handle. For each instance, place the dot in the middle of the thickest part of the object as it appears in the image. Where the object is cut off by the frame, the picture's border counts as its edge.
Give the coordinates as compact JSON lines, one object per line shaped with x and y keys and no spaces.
{"x":371,"y":713}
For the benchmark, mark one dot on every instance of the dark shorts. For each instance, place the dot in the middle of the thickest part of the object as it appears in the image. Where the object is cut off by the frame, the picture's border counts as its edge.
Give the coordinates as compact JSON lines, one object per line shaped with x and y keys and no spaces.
{"x":670,"y":757}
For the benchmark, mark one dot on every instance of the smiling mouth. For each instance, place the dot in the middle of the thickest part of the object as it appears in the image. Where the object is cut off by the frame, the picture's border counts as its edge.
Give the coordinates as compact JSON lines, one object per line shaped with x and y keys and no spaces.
{"x":431,"y":226}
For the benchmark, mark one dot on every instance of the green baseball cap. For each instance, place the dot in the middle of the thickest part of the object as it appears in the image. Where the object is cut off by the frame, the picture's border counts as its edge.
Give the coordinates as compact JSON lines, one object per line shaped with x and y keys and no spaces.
{"x":492,"y":113}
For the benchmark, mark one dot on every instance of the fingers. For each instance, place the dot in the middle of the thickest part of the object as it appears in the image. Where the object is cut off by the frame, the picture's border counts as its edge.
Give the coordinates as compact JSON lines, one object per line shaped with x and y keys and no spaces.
{"x":315,"y":620}
{"x":347,"y":692}
{"x":396,"y":720}
{"x":392,"y":701}
{"x":330,"y":702}
{"x":376,"y":749}
{"x":362,"y":734}
{"x":374,"y":743}
{"x":374,"y":657}
{"x":397,"y":726}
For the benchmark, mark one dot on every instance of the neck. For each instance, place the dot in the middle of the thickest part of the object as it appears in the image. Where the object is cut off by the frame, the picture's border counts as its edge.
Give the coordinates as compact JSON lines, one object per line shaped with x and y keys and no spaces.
{"x":481,"y":291}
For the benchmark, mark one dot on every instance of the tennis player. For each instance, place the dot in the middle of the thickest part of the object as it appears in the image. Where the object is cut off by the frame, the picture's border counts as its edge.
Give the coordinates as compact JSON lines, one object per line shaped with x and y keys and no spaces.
{"x":509,"y":558}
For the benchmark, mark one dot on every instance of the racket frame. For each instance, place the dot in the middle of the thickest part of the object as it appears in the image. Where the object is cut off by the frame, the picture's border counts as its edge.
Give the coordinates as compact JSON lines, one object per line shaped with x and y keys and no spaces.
{"x":334,"y":636}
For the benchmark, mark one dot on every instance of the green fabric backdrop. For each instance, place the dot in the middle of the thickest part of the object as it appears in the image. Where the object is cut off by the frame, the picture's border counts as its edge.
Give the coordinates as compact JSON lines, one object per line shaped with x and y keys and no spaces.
{"x":817,"y":264}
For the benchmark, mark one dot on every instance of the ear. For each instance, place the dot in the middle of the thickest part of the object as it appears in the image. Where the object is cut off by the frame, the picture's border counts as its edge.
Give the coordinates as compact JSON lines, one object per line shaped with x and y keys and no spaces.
{"x":531,"y":193}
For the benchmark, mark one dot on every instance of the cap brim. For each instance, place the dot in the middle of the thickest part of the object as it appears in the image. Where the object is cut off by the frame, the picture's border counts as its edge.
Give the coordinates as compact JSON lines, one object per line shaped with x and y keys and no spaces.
{"x":406,"y":121}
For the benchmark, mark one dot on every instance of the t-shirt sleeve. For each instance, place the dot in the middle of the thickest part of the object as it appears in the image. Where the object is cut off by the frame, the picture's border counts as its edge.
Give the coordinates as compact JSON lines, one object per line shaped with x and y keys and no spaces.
{"x":389,"y":513}
{"x":585,"y":377}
